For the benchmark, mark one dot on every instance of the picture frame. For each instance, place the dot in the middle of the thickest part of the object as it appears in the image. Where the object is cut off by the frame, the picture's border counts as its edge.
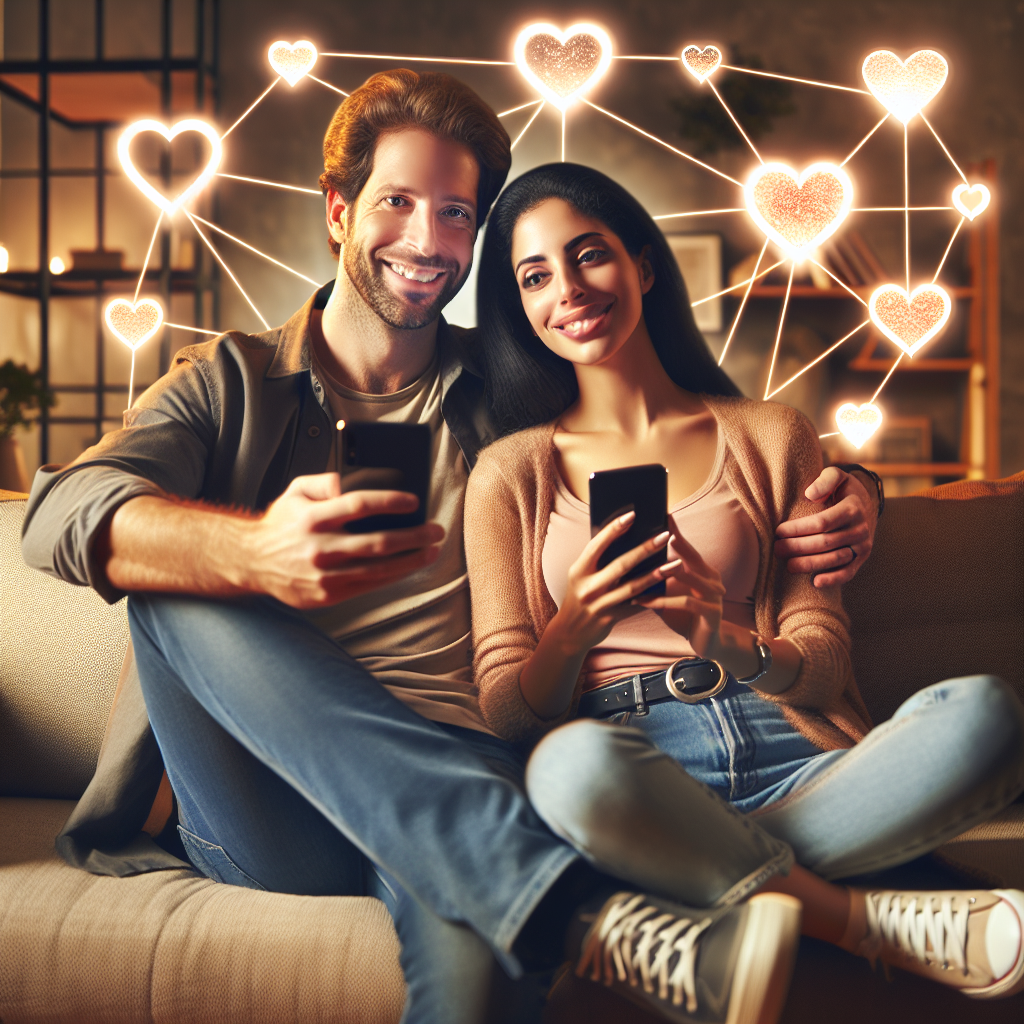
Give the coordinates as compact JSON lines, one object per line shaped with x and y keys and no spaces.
{"x":699,"y":258}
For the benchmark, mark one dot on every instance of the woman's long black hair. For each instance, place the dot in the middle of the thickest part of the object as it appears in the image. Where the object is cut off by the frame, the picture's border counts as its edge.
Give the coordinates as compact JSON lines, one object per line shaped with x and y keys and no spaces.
{"x":526,"y":382}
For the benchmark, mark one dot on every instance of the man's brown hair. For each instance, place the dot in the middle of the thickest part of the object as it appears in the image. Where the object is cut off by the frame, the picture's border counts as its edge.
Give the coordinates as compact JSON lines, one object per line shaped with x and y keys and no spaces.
{"x":392,"y":101}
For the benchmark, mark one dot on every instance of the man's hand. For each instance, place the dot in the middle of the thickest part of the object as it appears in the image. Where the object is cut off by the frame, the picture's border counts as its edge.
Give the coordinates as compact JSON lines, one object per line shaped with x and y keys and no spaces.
{"x":834,"y":543}
{"x":301,"y":554}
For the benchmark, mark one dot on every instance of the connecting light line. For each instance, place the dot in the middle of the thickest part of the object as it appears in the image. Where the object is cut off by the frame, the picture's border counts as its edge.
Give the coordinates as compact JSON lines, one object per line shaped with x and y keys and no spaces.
{"x":697,"y":213}
{"x":778,"y":333}
{"x":327,"y":84}
{"x":944,"y":150}
{"x":196,"y":330}
{"x":737,"y":287}
{"x":942,"y":262}
{"x":790,"y":78}
{"x":906,"y":206}
{"x":743,"y":302}
{"x":271,"y":184}
{"x":145,"y":265}
{"x":522,"y":106}
{"x":217,"y":257}
{"x":896,"y":209}
{"x":842,"y":284}
{"x":835,"y":433}
{"x":814,"y":362}
{"x":563,"y":136}
{"x":251,"y":248}
{"x":660,"y":142}
{"x":887,"y":376}
{"x":252,"y":106}
{"x":526,"y":128}
{"x":857,"y":148}
{"x":619,"y":56}
{"x":431,"y":60}
{"x":732,"y":117}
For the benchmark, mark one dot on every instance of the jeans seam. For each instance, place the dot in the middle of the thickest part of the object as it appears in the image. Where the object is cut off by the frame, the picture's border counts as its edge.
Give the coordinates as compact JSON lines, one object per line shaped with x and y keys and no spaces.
{"x":224,"y":853}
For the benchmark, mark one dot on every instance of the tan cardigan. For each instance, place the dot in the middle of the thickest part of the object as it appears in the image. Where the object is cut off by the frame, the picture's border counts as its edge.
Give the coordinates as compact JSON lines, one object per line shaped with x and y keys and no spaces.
{"x":772,"y":455}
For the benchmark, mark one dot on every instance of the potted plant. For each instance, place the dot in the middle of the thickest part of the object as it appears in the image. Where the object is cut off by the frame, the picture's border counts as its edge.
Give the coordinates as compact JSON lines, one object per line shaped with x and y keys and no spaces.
{"x":21,"y":392}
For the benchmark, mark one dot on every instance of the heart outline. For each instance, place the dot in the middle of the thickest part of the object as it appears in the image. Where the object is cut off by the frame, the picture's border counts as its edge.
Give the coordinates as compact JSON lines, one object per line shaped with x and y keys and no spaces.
{"x":858,"y":423}
{"x":986,"y":198}
{"x":191,"y":124}
{"x":888,"y":289}
{"x":698,"y":52}
{"x":771,"y":230}
{"x":894,"y":100}
{"x":291,"y":76}
{"x":133,"y":308}
{"x":581,"y":28}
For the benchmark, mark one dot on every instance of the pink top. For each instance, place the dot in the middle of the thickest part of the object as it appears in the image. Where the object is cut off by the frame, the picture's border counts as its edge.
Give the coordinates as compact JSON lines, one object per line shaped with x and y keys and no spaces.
{"x":712,"y":520}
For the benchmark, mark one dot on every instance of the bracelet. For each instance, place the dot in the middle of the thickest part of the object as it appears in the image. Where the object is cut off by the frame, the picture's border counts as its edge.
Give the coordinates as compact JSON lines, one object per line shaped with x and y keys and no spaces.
{"x":764,"y":654}
{"x":849,"y":467}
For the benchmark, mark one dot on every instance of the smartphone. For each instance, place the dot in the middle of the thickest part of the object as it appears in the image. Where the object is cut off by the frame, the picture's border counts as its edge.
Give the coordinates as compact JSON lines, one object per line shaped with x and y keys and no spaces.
{"x":385,"y":457}
{"x":639,"y":489}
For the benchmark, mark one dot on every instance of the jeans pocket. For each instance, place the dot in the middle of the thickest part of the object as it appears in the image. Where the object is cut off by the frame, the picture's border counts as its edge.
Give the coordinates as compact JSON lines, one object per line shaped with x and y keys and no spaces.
{"x":211,"y":860}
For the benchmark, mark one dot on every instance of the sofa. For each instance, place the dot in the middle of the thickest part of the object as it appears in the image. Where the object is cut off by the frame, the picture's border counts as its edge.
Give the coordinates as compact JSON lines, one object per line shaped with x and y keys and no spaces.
{"x":942,"y":595}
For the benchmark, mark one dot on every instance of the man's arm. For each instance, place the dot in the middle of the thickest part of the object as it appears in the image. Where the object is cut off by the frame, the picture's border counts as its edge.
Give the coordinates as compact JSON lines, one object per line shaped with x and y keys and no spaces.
{"x":296,"y":551}
{"x":834,"y":543}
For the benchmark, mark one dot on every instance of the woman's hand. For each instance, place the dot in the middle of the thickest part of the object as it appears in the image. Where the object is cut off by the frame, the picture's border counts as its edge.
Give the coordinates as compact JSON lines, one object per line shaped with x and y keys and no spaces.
{"x":595,"y":599}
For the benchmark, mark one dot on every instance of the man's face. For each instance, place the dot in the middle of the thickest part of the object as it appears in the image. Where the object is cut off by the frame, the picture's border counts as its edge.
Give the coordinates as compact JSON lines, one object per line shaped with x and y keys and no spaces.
{"x":407,"y":239}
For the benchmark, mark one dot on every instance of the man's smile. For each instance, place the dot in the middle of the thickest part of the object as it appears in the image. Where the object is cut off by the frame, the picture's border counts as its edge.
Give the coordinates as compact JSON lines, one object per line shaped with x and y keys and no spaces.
{"x":423,"y":275}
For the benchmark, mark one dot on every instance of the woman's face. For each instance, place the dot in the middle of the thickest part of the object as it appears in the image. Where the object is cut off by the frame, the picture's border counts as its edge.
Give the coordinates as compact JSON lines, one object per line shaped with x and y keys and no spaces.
{"x":581,"y":290}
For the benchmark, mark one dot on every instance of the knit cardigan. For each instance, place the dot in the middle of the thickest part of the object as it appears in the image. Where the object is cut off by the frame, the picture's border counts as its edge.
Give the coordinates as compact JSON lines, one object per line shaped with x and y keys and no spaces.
{"x":772,"y":454}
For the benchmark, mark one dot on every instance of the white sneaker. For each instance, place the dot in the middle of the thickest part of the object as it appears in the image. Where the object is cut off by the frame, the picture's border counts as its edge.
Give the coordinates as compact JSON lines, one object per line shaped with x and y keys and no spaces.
{"x":970,"y":940}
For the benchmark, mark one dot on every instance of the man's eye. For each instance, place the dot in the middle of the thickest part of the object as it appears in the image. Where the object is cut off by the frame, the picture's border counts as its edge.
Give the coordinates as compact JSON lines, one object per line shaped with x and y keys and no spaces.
{"x":395,"y":200}
{"x":456,"y":212}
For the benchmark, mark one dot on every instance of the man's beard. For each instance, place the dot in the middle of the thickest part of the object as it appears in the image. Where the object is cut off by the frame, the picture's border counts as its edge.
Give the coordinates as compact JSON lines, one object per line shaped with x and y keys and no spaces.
{"x":366,"y":272}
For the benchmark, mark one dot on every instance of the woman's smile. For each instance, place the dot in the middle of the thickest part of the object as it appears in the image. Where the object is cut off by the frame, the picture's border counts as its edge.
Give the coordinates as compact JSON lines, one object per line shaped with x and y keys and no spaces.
{"x":585,"y":323}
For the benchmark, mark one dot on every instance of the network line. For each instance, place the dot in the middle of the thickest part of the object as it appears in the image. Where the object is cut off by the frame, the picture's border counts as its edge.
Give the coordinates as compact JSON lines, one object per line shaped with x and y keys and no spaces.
{"x":430,"y":60}
{"x":527,"y":126}
{"x":522,"y":106}
{"x":743,"y":302}
{"x":334,"y":88}
{"x":270,"y":184}
{"x":698,"y":213}
{"x":778,"y":333}
{"x":944,"y":150}
{"x":857,"y":148}
{"x":892,"y":370}
{"x":252,"y":106}
{"x":942,"y":262}
{"x":732,"y":116}
{"x":145,"y":262}
{"x":195,"y":330}
{"x":818,"y":359}
{"x":790,"y":78}
{"x":252,"y":248}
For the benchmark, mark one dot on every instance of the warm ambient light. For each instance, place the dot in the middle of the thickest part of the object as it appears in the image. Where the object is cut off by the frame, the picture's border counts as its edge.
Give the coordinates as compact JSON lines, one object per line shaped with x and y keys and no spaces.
{"x":292,"y":61}
{"x":563,"y":65}
{"x":798,"y":213}
{"x":971,"y":200}
{"x":858,"y":423}
{"x":909,"y":320}
{"x":904,"y":88}
{"x":340,"y":424}
{"x":57,"y":265}
{"x":134,"y":323}
{"x":5,"y":259}
{"x":192,"y":124}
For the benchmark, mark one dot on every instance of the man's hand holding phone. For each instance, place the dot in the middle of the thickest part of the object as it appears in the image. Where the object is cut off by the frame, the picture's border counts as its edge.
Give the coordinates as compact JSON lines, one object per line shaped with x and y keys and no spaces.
{"x":303,"y":556}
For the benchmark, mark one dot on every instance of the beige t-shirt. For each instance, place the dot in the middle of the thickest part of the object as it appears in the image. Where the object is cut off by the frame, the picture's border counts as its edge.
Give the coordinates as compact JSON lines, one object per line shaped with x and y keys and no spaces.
{"x":414,"y":635}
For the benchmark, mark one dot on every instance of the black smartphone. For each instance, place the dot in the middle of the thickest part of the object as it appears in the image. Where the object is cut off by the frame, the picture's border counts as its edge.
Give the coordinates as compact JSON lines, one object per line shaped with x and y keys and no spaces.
{"x":385,"y":457}
{"x":639,"y":489}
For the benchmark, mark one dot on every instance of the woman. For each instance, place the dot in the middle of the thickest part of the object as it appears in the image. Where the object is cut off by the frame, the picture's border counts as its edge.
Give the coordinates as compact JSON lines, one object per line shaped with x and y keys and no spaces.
{"x":593,"y":361}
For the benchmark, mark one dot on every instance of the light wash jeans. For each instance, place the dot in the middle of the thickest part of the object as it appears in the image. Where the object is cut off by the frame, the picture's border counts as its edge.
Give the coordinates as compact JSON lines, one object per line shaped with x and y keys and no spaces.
{"x":951,"y":756}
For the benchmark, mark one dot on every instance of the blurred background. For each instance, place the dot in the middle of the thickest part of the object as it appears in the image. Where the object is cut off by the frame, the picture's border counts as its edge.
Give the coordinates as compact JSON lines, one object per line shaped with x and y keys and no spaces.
{"x":75,"y":231}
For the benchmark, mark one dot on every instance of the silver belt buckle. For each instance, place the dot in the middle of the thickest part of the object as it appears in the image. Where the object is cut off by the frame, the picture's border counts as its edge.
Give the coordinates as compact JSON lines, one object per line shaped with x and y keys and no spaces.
{"x":682,"y":694}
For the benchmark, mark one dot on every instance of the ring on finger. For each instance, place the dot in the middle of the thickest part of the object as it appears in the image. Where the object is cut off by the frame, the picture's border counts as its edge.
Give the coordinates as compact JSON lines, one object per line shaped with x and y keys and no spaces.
{"x":853,"y":555}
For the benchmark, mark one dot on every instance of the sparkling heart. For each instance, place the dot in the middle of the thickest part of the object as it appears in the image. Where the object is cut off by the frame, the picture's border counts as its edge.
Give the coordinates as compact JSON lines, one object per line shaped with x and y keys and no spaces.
{"x":984,"y":197}
{"x":701,"y":63}
{"x":858,"y":422}
{"x":170,"y":206}
{"x":904,"y":88}
{"x":798,"y":213}
{"x":134,"y":324}
{"x":563,"y":65}
{"x":292,"y":61}
{"x":910,"y":321}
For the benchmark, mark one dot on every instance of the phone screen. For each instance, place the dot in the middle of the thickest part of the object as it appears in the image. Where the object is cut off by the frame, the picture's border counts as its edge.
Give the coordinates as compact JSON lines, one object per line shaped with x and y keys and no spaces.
{"x":639,"y":489}
{"x":386,"y":457}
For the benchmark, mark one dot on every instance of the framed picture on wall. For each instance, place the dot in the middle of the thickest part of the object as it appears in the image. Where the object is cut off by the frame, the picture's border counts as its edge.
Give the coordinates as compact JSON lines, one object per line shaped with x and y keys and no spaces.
{"x":700,"y":262}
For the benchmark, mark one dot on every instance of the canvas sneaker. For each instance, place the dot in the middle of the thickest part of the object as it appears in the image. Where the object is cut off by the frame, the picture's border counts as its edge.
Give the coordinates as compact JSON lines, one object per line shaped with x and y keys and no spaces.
{"x":969,"y":940}
{"x":725,"y":966}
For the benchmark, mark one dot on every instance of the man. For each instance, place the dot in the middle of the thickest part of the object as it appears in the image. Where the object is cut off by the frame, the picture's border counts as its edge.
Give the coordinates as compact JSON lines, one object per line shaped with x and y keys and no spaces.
{"x":257,"y":620}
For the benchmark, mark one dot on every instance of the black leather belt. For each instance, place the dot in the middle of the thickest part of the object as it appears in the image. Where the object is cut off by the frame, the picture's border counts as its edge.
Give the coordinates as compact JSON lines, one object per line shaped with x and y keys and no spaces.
{"x":689,"y":680}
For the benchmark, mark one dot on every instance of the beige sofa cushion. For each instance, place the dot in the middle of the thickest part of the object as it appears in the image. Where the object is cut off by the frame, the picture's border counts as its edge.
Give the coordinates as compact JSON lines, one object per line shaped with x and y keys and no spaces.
{"x":171,"y":947}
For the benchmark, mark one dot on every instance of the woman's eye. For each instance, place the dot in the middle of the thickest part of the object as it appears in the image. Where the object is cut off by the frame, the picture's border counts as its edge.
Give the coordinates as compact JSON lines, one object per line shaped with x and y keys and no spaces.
{"x":531,"y":280}
{"x":590,"y":255}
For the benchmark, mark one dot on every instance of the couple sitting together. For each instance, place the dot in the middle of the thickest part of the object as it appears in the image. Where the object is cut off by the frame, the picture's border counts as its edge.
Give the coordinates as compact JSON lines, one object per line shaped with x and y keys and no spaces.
{"x":337,"y":716}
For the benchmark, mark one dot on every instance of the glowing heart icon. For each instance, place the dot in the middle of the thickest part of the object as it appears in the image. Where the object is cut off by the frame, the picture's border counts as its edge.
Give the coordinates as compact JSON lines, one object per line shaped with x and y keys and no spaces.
{"x":701,"y":63}
{"x":905,"y":87}
{"x":292,"y":61}
{"x":910,"y":321}
{"x":134,"y":323}
{"x":858,"y":422}
{"x":798,"y":213}
{"x":170,"y":206}
{"x":563,"y":65}
{"x":971,"y":200}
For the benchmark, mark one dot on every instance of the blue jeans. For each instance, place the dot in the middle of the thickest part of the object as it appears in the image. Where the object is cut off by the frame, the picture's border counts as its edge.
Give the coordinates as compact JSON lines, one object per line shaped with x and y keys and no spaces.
{"x":951,"y":756}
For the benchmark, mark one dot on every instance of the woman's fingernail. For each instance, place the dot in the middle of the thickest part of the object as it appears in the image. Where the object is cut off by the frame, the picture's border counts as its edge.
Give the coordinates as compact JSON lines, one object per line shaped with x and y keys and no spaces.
{"x":627,"y":517}
{"x":669,"y":566}
{"x":662,"y":537}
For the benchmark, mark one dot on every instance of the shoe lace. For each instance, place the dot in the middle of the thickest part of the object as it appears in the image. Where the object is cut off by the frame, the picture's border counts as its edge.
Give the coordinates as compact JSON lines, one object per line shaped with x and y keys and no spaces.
{"x":932,"y":928}
{"x":636,"y":937}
